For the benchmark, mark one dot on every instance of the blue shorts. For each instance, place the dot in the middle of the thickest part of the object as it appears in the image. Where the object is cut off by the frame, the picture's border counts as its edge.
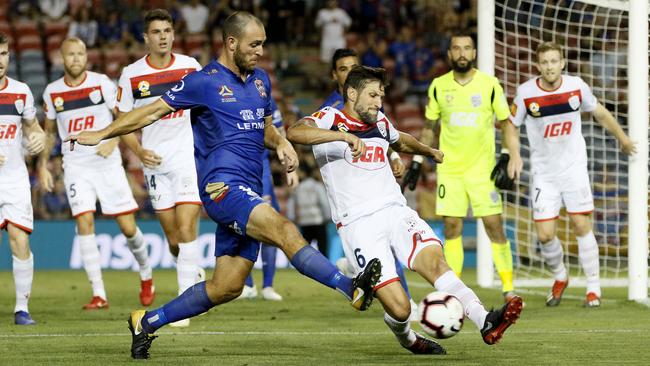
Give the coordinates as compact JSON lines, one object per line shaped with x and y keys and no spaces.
{"x":231,"y":212}
{"x":267,"y":184}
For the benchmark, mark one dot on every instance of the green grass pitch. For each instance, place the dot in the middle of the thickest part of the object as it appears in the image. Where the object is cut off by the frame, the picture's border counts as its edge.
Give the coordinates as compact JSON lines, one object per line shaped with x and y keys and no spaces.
{"x":312,"y":326}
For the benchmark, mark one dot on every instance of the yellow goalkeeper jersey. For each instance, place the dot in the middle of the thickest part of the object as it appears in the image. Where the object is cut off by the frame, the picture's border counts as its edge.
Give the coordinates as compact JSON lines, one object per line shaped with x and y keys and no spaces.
{"x":467,"y":121}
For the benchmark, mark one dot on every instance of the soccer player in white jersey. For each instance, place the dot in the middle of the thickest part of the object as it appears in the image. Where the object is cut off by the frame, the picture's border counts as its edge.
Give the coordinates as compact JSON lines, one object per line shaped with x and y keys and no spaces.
{"x":370,"y":211}
{"x":84,"y":100}
{"x":167,"y":150}
{"x":550,"y":106}
{"x":17,"y":119}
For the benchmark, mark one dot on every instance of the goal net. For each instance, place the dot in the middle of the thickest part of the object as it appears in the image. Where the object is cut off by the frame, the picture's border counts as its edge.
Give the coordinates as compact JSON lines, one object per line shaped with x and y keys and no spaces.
{"x":594,"y":36}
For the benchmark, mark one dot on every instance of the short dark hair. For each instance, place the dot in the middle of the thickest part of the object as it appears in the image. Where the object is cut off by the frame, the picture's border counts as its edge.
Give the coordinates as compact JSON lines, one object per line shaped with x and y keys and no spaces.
{"x":4,"y":39}
{"x":548,"y":46}
{"x":157,"y":14}
{"x":341,"y":53}
{"x":463,"y":34}
{"x":235,"y":24}
{"x":360,"y":76}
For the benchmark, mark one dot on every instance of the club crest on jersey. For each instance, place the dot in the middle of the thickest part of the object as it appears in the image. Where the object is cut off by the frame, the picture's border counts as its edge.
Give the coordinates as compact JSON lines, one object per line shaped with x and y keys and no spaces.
{"x":143,"y":87}
{"x":259,"y":84}
{"x":449,"y":98}
{"x":20,"y":105}
{"x":534,"y":109}
{"x":574,"y":102}
{"x":95,"y":96}
{"x":476,"y":100}
{"x":58,"y":104}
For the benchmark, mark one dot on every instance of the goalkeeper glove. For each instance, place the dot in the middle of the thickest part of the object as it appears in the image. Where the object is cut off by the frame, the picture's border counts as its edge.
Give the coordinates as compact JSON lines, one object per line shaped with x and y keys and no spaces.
{"x":413,"y":174}
{"x":500,"y":173}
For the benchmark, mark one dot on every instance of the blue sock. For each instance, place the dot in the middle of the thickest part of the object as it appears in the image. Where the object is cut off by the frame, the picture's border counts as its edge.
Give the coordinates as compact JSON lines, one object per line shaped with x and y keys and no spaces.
{"x":268,"y":264}
{"x":402,"y":277}
{"x":311,"y":263}
{"x":192,"y":302}
{"x":249,"y":280}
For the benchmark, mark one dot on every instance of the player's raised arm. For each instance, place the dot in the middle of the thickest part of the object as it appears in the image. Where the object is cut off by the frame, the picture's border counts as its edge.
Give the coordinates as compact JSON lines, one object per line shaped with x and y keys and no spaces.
{"x":306,"y":132}
{"x":607,"y":120}
{"x":410,"y":145}
{"x":126,"y":123}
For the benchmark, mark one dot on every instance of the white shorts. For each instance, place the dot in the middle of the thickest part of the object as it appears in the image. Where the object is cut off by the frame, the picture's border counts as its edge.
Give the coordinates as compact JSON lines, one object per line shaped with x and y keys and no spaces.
{"x":172,"y":188}
{"x":85,"y":186}
{"x":16,"y":207}
{"x":394,"y":229}
{"x":549,"y":194}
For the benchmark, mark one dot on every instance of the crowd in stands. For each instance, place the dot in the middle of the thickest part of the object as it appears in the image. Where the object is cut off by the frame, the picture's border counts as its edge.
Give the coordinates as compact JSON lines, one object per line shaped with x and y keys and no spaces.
{"x":407,"y":37}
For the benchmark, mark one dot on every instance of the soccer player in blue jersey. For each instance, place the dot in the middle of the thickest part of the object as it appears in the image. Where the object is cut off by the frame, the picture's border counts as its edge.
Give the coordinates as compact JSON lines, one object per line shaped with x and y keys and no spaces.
{"x":230,"y":102}
{"x":343,"y":61}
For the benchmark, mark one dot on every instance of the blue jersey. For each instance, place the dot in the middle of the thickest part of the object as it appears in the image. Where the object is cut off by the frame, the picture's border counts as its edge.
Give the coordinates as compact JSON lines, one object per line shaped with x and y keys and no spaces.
{"x":227,"y":121}
{"x":334,"y":100}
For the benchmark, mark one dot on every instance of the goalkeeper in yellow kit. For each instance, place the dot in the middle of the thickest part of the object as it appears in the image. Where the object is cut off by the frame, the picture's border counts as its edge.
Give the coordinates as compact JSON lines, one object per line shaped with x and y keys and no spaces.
{"x":461,"y":109}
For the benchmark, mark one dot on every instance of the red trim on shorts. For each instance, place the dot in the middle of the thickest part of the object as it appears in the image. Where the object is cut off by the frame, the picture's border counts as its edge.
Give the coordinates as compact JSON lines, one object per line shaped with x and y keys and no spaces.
{"x":581,"y":213}
{"x":81,"y":213}
{"x":198,"y":203}
{"x":179,"y":203}
{"x":549,"y":219}
{"x":415,"y":243}
{"x":122,"y":213}
{"x":23,"y":228}
{"x":385,"y":283}
{"x":3,"y":224}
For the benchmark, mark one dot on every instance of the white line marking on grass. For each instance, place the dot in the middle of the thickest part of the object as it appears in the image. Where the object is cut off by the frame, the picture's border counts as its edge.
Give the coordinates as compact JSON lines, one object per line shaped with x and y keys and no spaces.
{"x":274,"y":334}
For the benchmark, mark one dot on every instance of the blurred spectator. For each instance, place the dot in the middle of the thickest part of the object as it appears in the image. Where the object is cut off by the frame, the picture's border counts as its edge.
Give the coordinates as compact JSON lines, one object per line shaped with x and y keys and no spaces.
{"x":53,"y":9}
{"x":219,"y":11}
{"x":134,"y":22}
{"x":400,"y":49}
{"x":375,"y":53}
{"x":309,"y":208}
{"x":23,"y":10}
{"x":112,"y":28}
{"x":421,"y":70}
{"x":84,"y":26}
{"x":333,"y":21}
{"x":195,"y":15}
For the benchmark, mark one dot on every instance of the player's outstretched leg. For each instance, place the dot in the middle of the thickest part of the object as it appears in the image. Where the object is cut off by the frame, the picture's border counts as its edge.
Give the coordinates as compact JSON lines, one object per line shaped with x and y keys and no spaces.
{"x":266,"y":225}
{"x":226,"y":284}
{"x":397,"y":307}
{"x":430,"y":264}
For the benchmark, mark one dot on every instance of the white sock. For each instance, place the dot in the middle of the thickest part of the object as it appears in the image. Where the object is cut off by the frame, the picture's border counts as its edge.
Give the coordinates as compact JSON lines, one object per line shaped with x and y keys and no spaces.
{"x":187,"y":265}
{"x":402,"y":330}
{"x":588,"y":254}
{"x":554,"y":257}
{"x":139,"y":249}
{"x":90,"y":258}
{"x":23,"y":276}
{"x":474,"y":309}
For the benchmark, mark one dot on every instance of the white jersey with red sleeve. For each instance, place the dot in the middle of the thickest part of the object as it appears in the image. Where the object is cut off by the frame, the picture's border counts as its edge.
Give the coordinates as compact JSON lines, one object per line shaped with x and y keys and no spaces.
{"x":16,"y":106}
{"x":357,"y":186}
{"x":85,"y":107}
{"x":553,"y":123}
{"x":140,"y":84}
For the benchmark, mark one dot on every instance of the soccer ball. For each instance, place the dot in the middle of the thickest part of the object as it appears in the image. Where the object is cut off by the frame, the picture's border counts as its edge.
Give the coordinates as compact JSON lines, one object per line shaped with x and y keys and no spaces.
{"x":441,"y":315}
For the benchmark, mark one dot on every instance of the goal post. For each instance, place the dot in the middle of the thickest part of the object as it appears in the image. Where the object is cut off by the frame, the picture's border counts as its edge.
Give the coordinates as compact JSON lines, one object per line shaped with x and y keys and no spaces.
{"x":604,"y":41}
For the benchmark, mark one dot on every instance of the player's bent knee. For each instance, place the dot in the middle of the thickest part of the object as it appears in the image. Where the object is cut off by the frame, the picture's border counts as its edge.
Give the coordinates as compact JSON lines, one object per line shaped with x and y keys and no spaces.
{"x":545,"y":236}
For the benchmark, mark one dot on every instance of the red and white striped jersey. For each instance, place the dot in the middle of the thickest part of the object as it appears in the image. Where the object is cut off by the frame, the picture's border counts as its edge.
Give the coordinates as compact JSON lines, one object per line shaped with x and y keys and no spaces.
{"x":85,"y":107}
{"x":140,"y":84}
{"x":553,"y":123}
{"x":16,"y":106}
{"x":357,"y":186}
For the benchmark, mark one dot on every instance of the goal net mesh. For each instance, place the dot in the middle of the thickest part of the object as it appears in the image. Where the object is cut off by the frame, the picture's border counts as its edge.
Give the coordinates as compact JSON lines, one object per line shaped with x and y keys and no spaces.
{"x":595,"y":42}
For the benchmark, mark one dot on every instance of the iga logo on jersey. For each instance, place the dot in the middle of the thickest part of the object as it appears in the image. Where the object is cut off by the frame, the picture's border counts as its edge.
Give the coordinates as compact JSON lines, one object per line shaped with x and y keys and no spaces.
{"x":373,"y":159}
